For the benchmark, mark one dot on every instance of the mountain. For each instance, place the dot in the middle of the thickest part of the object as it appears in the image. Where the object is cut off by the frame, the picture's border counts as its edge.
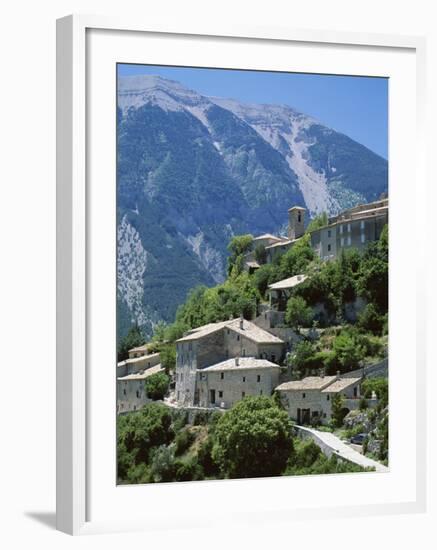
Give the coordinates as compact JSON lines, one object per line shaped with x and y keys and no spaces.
{"x":192,"y":171}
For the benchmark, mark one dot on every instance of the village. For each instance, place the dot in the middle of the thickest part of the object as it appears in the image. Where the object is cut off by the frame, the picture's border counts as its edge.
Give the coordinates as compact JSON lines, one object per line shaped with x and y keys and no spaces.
{"x":219,"y":364}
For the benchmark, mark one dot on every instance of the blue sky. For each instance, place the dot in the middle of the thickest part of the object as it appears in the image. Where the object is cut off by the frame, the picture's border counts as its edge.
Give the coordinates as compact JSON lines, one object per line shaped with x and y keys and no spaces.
{"x":356,"y":106}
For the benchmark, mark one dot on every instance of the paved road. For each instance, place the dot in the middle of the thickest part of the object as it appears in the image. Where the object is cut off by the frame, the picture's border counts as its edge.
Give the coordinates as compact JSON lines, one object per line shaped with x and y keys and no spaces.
{"x":333,"y":443}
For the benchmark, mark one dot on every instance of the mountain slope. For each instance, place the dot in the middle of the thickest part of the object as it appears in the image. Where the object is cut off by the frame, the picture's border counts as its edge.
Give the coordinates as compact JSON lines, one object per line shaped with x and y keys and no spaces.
{"x":193,"y":171}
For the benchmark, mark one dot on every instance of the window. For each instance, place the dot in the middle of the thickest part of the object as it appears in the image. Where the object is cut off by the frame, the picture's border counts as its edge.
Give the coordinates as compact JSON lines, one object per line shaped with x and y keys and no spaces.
{"x":220,"y":394}
{"x":244,"y":379}
{"x":329,"y":248}
{"x":273,"y":358}
{"x":341,"y":229}
{"x":363,"y":237}
{"x":260,"y":392}
{"x":362,"y":225}
{"x":349,"y":240}
{"x":355,"y":392}
{"x":258,"y":378}
{"x":190,"y":346}
{"x":138,"y":394}
{"x":327,"y":397}
{"x":303,"y":396}
{"x":329,"y":233}
{"x":348,"y":227}
{"x":244,"y":353}
{"x":222,"y":375}
{"x":243,"y":394}
{"x":178,"y":396}
{"x":299,"y":217}
{"x":342,"y":241}
{"x":238,"y":337}
{"x":124,"y":391}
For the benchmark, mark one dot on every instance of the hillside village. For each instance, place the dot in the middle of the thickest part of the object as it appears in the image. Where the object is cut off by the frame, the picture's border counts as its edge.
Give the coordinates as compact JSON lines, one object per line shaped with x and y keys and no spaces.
{"x":321,"y":351}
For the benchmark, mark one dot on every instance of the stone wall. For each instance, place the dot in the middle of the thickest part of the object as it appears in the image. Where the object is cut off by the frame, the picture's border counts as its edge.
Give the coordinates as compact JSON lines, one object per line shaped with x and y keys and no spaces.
{"x":230,"y":386}
{"x":131,"y":395}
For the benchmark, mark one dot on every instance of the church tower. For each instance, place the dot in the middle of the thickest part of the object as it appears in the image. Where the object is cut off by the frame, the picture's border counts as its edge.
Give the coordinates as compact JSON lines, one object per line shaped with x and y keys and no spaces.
{"x":296,"y":222}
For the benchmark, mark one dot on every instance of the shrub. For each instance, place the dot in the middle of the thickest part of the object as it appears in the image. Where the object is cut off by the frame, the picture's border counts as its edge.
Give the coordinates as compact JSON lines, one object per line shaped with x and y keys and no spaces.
{"x":157,"y":385}
{"x":163,"y":466}
{"x":253,"y":439}
{"x":188,"y":470}
{"x":298,"y":313}
{"x":183,"y":440}
{"x":370,"y":319}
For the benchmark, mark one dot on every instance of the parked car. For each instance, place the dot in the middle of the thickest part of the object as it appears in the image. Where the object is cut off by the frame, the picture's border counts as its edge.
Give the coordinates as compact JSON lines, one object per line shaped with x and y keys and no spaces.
{"x":358,"y":439}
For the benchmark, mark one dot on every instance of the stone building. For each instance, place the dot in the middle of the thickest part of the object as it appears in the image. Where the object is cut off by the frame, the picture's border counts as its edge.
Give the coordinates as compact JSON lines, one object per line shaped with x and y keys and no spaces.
{"x":310,"y":399}
{"x":352,"y":228}
{"x":211,"y":344}
{"x":131,"y":376}
{"x":227,"y":382}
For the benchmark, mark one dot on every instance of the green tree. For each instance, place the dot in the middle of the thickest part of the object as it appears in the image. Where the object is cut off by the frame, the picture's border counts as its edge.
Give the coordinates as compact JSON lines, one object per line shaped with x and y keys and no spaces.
{"x":321,"y":220}
{"x":338,"y":411}
{"x":371,"y":319}
{"x":298,"y":314}
{"x":156,"y":385}
{"x":138,"y":433}
{"x":238,"y":246}
{"x":260,"y":254}
{"x":132,"y":339}
{"x":253,"y":439}
{"x":379,"y":385}
{"x":168,"y":357}
{"x":348,"y":351}
{"x":303,"y":351}
{"x":297,"y":259}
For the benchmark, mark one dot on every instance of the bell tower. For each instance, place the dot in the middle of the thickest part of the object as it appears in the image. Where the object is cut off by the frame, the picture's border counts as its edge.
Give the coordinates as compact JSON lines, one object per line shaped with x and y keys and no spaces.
{"x":296,"y":222}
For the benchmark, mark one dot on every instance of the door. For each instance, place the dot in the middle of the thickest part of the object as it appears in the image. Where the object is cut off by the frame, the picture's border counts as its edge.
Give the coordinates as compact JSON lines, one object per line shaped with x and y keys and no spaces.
{"x":299,"y":417}
{"x":212,"y":397}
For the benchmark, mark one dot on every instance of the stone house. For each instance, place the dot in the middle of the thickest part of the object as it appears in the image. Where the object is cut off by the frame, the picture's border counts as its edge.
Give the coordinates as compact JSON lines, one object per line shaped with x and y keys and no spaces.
{"x":352,"y":228}
{"x":216,"y":342}
{"x":131,"y":376}
{"x":131,"y":391}
{"x":310,"y":399}
{"x":139,"y":351}
{"x":227,"y":382}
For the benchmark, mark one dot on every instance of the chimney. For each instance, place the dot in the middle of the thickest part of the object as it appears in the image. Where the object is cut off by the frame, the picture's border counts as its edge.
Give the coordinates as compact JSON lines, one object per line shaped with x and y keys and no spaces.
{"x":237,"y":361}
{"x":296,"y":222}
{"x":241,"y":322}
{"x":337,"y":375}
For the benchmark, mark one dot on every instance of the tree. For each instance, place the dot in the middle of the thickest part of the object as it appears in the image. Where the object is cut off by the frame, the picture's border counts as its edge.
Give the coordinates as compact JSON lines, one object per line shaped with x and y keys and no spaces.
{"x":303,"y":351}
{"x":296,"y":260}
{"x":321,"y":220}
{"x":298,"y":314}
{"x":253,"y":439}
{"x":138,"y":433}
{"x":132,"y":339}
{"x":167,"y":355}
{"x":260,"y":254}
{"x":238,"y":246}
{"x":348,"y":350}
{"x":370,"y":319}
{"x":378,"y":385}
{"x":157,"y":385}
{"x":338,"y":411}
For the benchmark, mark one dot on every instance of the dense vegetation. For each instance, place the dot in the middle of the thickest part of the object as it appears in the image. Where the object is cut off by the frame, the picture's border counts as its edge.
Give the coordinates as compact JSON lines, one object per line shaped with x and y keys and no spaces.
{"x":253,"y":439}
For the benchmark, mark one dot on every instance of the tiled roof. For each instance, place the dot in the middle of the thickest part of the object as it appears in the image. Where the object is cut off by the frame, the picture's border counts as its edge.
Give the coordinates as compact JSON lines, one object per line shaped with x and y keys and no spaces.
{"x":139,"y":348}
{"x":253,"y":332}
{"x":202,"y":331}
{"x":282,"y":242}
{"x":142,"y":375}
{"x":288,"y":283}
{"x":340,"y":385}
{"x":267,"y":236}
{"x":308,"y":383}
{"x":249,"y":330}
{"x":138,"y":360}
{"x":243,"y":363}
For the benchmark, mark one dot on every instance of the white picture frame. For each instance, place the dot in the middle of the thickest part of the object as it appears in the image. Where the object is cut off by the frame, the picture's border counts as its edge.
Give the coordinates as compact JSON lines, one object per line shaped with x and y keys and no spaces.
{"x":74,"y":391}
